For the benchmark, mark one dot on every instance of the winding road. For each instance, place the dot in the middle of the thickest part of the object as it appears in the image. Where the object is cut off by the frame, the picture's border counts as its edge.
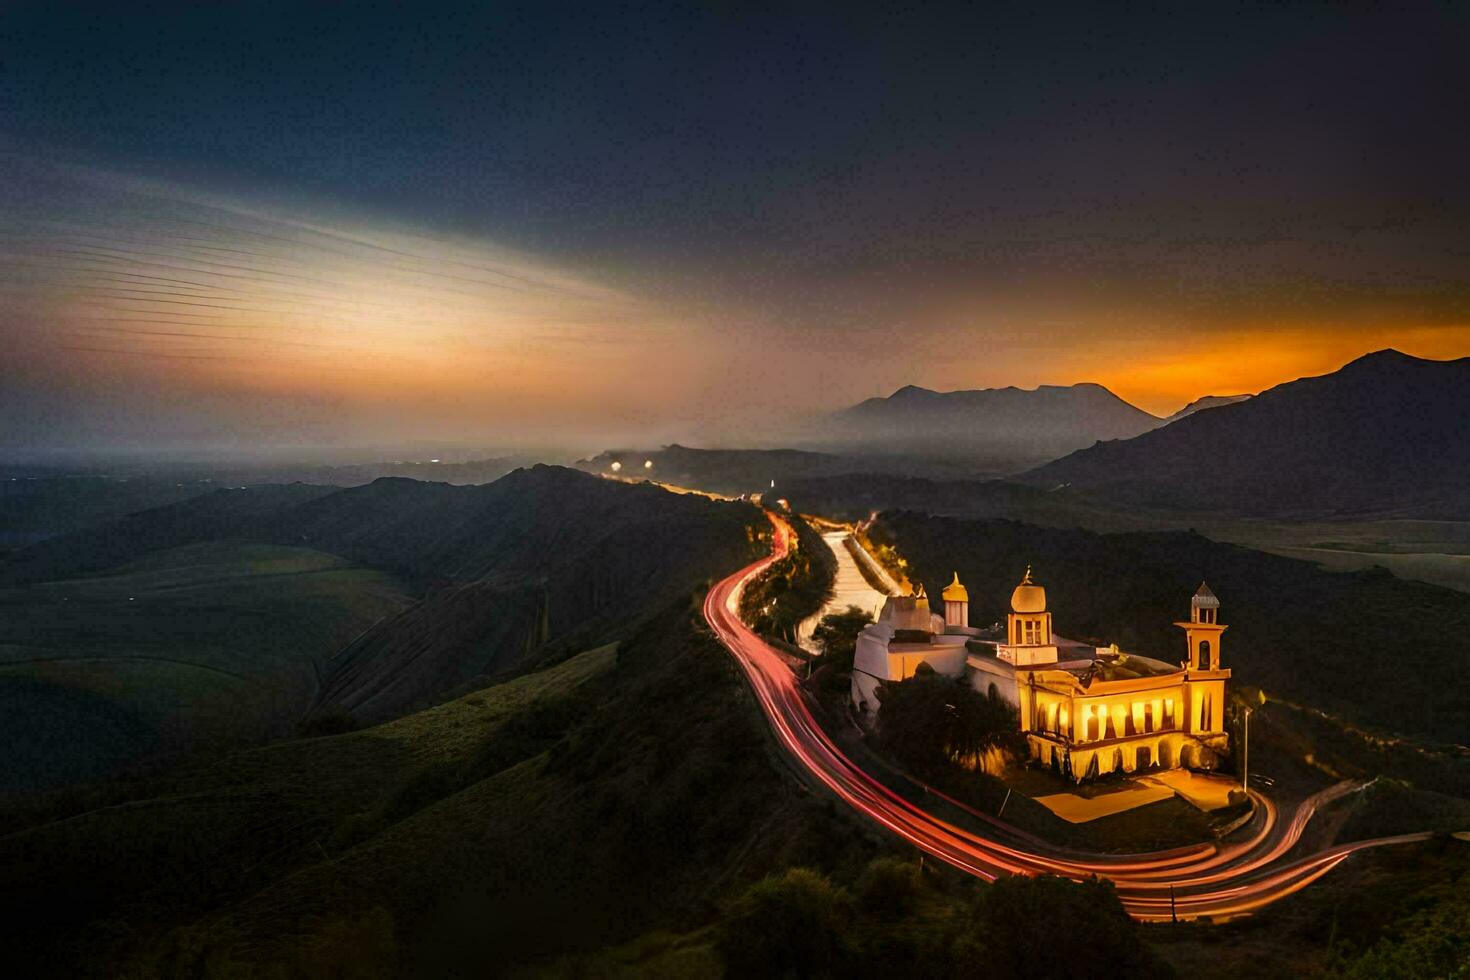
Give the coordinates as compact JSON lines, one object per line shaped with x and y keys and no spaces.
{"x":1214,"y":880}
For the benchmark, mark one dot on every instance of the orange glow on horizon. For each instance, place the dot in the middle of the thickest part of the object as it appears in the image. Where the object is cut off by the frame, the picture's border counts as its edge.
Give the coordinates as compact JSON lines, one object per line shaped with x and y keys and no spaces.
{"x":1249,"y":362}
{"x":159,"y":303}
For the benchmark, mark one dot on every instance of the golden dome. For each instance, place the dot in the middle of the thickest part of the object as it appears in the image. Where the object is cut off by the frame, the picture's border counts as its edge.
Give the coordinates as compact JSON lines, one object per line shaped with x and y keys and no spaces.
{"x":1028,"y":597}
{"x":955,"y":592}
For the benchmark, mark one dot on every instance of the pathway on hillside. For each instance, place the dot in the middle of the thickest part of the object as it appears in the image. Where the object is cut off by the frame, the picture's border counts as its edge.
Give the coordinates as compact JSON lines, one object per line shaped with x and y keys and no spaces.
{"x":1218,"y":880}
{"x":849,"y":588}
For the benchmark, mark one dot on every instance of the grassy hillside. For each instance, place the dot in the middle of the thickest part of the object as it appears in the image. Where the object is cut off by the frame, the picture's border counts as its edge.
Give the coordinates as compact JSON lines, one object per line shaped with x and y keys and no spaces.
{"x":526,"y":570}
{"x":36,"y":507}
{"x":567,"y":809}
{"x":189,"y":649}
{"x":1362,"y":645}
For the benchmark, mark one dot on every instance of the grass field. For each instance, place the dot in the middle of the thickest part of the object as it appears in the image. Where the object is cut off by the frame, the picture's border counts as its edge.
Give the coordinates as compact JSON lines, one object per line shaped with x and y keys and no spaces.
{"x":619,"y":791}
{"x":202,"y":646}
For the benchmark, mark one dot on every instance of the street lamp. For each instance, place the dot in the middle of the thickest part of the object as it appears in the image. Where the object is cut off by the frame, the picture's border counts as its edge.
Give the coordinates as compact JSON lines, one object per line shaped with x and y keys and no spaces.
{"x":1245,"y":754}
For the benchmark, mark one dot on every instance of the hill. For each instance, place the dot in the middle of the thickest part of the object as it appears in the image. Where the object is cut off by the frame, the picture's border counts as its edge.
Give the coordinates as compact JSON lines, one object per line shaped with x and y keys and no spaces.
{"x":1200,"y":404}
{"x":36,"y":507}
{"x":560,"y":811}
{"x":1385,"y":435}
{"x":996,"y":429}
{"x":186,"y":650}
{"x":1362,"y":646}
{"x":742,"y":471}
{"x":437,"y":585}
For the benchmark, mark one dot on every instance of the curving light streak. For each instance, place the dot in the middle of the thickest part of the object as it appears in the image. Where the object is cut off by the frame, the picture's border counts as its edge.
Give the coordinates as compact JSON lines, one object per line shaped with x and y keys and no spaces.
{"x":1218,"y":881}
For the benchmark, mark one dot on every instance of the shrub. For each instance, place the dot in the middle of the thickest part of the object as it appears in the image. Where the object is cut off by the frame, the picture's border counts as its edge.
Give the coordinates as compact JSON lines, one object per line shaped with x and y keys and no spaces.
{"x":788,"y":925}
{"x":888,"y":886}
{"x":836,"y":635}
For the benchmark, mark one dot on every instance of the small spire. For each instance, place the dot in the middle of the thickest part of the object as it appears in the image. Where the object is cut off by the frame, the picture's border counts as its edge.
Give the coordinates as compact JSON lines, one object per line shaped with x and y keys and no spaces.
{"x":1026,"y":580}
{"x":955,"y":591}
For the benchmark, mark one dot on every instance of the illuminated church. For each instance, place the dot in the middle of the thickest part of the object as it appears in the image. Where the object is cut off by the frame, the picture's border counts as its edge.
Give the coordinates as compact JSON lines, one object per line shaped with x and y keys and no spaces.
{"x":1085,"y":710}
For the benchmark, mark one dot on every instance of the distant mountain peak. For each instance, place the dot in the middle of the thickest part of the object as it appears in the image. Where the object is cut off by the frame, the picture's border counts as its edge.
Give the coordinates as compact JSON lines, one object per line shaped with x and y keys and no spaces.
{"x":912,"y":391}
{"x":1386,"y":355}
{"x":1204,"y":402}
{"x":1383,"y":434}
{"x":1001,"y":427}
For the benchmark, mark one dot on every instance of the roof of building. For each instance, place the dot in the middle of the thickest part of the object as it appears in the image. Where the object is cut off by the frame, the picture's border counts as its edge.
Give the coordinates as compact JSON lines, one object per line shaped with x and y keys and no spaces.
{"x":1203,"y":597}
{"x":955,"y":592}
{"x":1028,"y":597}
{"x":1123,"y":667}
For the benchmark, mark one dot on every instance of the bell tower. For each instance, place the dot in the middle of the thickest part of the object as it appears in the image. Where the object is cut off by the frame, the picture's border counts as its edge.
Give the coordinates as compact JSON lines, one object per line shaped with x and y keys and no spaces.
{"x":956,"y":603}
{"x":1028,"y":627}
{"x":1203,"y":630}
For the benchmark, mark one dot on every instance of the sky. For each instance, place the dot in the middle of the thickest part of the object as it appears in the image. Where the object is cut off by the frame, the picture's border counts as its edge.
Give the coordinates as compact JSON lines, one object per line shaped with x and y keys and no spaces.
{"x":253,"y":224}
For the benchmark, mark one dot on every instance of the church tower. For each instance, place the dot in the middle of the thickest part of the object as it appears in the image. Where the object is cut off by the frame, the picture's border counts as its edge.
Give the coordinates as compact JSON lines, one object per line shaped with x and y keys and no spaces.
{"x":956,"y":603}
{"x":1203,"y":630}
{"x":1028,"y":624}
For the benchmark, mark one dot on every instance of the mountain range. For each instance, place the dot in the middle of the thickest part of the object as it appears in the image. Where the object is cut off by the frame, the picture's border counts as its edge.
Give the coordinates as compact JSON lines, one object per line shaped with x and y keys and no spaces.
{"x":1200,"y":404}
{"x":995,"y":428}
{"x":1384,"y":436}
{"x":242,"y":613}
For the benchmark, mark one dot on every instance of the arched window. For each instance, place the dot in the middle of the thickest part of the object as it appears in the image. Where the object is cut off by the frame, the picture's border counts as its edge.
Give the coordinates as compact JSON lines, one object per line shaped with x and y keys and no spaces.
{"x":1204,"y":653}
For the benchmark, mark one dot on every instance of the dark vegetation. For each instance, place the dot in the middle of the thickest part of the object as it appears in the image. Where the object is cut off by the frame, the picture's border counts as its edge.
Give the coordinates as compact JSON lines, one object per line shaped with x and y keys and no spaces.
{"x":187,"y":651}
{"x":855,"y":497}
{"x":930,"y":722}
{"x":621,"y":793}
{"x":836,"y":636}
{"x":896,"y":921}
{"x":40,"y":506}
{"x":750,"y":471}
{"x":1384,"y":435}
{"x":1385,"y":914}
{"x":1364,"y":646}
{"x":791,"y":589}
{"x":138,"y":640}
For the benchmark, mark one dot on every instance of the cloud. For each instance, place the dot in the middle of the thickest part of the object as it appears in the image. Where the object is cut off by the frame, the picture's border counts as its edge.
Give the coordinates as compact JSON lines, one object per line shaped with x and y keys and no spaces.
{"x":112,"y":283}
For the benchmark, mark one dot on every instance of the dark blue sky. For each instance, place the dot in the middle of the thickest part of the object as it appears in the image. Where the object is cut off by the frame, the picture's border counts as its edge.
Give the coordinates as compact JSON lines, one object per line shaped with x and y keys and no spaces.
{"x":609,"y":127}
{"x":1168,"y":168}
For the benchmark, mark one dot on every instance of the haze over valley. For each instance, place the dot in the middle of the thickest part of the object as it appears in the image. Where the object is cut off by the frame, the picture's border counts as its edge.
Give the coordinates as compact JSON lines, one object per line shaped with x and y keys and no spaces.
{"x":729,"y":491}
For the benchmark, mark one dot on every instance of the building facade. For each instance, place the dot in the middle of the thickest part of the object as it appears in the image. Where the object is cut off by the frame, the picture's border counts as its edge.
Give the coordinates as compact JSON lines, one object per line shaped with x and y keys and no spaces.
{"x":1086,"y":711}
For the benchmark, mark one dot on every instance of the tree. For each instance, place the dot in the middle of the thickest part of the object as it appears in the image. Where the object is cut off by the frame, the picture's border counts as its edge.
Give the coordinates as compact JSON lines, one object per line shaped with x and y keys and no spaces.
{"x":1051,"y":927}
{"x":930,"y":720}
{"x":836,"y":635}
{"x":788,"y":925}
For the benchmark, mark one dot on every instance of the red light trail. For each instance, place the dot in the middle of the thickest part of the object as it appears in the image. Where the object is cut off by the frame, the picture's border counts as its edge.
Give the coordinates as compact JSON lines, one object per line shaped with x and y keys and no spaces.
{"x":1214,"y":880}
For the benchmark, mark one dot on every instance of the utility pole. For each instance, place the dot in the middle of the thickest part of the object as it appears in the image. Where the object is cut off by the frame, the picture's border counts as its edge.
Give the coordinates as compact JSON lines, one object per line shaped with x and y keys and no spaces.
{"x":1173,"y":912}
{"x":1245,"y":755}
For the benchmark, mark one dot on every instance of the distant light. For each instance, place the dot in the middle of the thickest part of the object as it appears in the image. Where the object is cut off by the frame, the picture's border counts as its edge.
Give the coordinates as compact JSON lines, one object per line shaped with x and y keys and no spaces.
{"x":648,"y":464}
{"x":433,"y":461}
{"x":616,"y":466}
